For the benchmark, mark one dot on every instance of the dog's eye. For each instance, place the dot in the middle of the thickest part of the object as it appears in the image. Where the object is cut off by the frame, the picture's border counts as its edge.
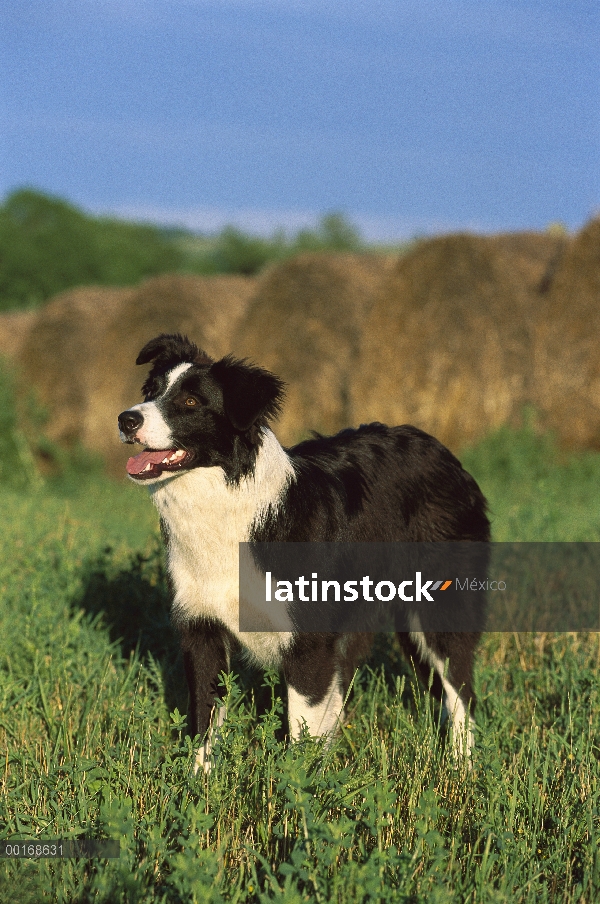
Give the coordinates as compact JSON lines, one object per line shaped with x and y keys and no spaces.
{"x":191,"y":402}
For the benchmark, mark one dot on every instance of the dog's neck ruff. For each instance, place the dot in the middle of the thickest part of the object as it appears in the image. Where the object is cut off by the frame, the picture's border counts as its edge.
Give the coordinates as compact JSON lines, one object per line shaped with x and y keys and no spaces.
{"x":200,"y":489}
{"x":205,"y":519}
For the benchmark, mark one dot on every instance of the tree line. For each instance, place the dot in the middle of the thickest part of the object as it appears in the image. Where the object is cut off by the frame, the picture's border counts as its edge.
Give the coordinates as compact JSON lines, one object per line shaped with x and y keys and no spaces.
{"x":48,"y":245}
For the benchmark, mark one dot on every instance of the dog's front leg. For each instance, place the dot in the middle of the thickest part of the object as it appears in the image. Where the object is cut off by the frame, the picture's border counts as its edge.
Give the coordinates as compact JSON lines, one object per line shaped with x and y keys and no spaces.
{"x":320,"y":715}
{"x":314,"y":683}
{"x":205,"y":655}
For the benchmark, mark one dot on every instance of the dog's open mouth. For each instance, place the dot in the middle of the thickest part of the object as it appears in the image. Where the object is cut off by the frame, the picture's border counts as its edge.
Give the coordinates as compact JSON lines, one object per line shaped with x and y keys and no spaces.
{"x":152,"y":462}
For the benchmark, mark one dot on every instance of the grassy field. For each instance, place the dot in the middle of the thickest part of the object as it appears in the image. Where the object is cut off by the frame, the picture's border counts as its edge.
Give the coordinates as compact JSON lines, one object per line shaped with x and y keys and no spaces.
{"x":93,"y":743}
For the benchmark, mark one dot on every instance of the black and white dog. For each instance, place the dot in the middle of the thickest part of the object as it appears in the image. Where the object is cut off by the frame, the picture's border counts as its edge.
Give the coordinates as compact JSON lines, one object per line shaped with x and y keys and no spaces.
{"x":218,"y":476}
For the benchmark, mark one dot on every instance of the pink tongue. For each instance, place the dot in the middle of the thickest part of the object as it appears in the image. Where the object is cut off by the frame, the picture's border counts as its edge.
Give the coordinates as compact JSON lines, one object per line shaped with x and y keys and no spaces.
{"x":137,"y":464}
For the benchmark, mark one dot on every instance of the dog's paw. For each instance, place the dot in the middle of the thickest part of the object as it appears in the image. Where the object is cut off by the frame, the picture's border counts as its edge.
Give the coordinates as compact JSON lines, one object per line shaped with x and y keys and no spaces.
{"x":203,"y":760}
{"x":205,"y":756}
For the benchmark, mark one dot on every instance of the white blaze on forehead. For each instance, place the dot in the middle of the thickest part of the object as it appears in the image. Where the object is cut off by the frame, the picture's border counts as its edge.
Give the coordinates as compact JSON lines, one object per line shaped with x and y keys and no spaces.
{"x":174,"y":374}
{"x":155,"y":431}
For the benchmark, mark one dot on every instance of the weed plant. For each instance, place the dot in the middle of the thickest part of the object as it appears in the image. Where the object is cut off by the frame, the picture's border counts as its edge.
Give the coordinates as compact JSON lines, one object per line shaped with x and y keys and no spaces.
{"x":93,"y":742}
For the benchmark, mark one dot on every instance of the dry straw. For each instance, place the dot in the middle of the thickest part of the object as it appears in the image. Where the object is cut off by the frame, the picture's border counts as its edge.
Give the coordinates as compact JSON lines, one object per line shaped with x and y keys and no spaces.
{"x":14,"y":327}
{"x":80,"y":353}
{"x":456,"y":336}
{"x":567,"y":345}
{"x":447,"y":344}
{"x":304,"y":323}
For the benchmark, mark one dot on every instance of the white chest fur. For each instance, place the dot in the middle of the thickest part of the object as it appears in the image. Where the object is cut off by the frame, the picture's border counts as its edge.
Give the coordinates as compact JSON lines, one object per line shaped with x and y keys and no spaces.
{"x":206,"y":520}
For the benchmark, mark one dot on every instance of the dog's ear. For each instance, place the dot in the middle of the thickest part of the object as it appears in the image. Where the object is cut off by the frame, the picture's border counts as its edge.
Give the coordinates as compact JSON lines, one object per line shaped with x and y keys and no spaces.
{"x":166,"y":348}
{"x":251,"y":395}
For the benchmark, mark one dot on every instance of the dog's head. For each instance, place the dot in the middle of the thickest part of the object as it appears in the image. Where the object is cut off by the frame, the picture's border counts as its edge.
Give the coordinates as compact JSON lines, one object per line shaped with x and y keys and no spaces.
{"x":197,"y":412}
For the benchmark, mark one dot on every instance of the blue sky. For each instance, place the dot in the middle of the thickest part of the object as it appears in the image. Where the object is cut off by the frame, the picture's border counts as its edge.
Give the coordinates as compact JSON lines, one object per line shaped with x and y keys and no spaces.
{"x":412,"y":116}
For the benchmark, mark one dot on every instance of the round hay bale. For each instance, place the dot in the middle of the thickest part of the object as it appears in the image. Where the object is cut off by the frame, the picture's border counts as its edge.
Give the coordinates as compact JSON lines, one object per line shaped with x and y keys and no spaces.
{"x":14,"y":327}
{"x":304,"y":324}
{"x":446,"y":345}
{"x":533,"y":257}
{"x":567,"y":344}
{"x":80,"y":353}
{"x":58,"y":355}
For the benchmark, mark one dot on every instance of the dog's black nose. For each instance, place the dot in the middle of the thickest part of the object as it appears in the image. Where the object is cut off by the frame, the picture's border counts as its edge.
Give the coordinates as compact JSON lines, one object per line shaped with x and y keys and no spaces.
{"x":129,"y":422}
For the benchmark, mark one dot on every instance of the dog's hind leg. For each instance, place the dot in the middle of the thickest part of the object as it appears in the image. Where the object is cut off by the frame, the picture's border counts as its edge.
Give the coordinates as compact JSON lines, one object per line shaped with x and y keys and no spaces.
{"x":451,"y":657}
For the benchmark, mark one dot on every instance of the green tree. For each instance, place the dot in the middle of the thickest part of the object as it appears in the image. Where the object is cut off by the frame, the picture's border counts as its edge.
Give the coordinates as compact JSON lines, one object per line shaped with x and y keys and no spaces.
{"x":47,"y":245}
{"x":334,"y":233}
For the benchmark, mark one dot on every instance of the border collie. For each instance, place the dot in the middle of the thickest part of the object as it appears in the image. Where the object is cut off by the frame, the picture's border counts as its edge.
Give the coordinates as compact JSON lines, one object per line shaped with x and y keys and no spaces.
{"x":218,"y":477}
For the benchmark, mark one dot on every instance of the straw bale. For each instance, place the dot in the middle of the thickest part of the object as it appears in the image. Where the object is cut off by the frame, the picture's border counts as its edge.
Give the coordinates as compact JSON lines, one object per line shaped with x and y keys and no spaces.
{"x":81,"y":352}
{"x":567,"y":344}
{"x":447,"y":343}
{"x":58,"y":355}
{"x":533,"y":257}
{"x":14,"y":327}
{"x":304,"y":324}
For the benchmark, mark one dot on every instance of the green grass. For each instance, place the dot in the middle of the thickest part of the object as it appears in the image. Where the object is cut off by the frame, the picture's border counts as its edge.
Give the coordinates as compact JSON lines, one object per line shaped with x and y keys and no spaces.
{"x":92,"y":742}
{"x":536,"y":491}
